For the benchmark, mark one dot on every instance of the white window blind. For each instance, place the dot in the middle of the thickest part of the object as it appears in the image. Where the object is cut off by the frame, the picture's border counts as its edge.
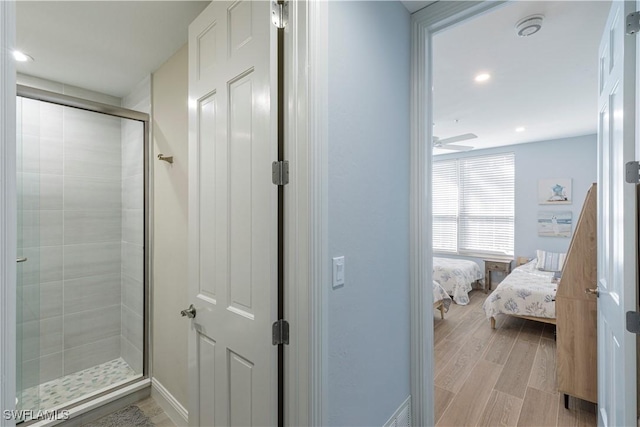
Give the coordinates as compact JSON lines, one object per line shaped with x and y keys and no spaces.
{"x":473,"y":205}
{"x":445,"y":206}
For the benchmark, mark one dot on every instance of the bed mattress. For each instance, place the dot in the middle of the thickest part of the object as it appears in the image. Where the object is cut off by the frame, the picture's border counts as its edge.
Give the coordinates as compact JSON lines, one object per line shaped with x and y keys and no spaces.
{"x":524,"y":292}
{"x":456,"y":277}
{"x":439,"y":294}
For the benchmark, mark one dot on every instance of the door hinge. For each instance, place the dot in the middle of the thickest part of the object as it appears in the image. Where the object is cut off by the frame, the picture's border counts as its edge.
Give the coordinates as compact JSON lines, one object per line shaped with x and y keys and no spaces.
{"x":633,"y":23}
{"x":280,"y":332}
{"x":280,"y":172}
{"x":632,"y":172}
{"x":280,"y":13}
{"x":633,"y":322}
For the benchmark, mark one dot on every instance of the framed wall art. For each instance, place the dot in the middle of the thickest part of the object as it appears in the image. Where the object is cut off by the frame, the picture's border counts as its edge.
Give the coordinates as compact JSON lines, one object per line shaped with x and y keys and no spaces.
{"x":555,"y":191}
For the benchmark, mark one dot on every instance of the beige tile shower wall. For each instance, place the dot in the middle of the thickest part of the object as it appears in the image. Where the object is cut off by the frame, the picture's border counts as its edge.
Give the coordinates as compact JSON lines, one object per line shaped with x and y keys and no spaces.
{"x":132,"y":226}
{"x":170,"y":275}
{"x":71,"y":213}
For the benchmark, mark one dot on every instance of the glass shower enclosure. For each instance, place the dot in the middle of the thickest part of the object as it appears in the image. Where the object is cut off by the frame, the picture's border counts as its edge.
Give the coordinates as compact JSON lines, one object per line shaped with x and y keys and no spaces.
{"x":82,"y":288}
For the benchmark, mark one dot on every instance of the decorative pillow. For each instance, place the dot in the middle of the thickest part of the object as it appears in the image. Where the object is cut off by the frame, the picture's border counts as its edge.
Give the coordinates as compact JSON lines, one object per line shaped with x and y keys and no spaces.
{"x":529,"y":266}
{"x":550,"y":261}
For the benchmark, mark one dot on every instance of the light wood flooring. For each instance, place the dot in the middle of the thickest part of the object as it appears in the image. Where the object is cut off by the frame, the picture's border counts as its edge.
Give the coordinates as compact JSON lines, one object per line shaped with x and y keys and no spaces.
{"x":501,"y":377}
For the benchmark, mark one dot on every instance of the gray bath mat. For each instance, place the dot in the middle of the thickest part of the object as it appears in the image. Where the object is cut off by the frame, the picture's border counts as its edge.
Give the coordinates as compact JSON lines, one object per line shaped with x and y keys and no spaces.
{"x":131,"y":416}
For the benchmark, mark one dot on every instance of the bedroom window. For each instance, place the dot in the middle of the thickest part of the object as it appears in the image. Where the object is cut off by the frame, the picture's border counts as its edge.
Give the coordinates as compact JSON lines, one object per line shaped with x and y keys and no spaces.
{"x":473,"y":205}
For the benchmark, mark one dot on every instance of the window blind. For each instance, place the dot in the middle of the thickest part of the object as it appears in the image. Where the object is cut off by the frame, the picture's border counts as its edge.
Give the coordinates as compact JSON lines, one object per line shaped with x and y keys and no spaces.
{"x":445,"y":206}
{"x":473,"y":205}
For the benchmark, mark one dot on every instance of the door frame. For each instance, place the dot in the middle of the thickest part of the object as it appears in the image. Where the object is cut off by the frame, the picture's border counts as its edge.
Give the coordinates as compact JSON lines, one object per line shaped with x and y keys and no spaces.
{"x":424,"y":25}
{"x":8,"y":210}
{"x":306,"y":214}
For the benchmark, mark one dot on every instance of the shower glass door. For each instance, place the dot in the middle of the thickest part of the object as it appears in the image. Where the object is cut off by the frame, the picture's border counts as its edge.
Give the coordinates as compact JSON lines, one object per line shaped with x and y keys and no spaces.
{"x":28,"y":263}
{"x":81,"y":248}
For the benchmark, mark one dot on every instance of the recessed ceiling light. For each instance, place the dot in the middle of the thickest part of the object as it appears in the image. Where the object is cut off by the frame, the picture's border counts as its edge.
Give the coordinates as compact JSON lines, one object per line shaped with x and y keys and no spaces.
{"x":520,"y":129}
{"x":21,"y":56}
{"x":482,"y":77}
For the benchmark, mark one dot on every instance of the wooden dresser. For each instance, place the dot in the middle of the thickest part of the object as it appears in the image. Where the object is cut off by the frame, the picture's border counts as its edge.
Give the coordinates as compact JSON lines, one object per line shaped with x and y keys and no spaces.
{"x":576,"y":310}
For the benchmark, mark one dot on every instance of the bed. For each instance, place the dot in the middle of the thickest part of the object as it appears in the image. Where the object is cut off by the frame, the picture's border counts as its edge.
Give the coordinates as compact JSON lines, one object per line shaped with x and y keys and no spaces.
{"x":526,"y":292}
{"x":441,"y":300}
{"x":456,"y":277}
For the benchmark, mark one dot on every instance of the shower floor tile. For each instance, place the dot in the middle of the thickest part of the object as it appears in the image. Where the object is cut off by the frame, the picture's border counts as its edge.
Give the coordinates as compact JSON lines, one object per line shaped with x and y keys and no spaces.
{"x":62,"y":390}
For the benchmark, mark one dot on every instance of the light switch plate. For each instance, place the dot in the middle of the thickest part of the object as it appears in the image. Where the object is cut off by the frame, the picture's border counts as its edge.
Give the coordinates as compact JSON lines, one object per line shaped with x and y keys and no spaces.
{"x":338,"y":272}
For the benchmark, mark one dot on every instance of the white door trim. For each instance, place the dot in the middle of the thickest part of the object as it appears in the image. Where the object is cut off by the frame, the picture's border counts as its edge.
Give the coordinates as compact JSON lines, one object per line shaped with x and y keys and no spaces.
{"x":8,"y":206}
{"x":424,"y":24}
{"x":306,"y":202}
{"x":319,"y":202}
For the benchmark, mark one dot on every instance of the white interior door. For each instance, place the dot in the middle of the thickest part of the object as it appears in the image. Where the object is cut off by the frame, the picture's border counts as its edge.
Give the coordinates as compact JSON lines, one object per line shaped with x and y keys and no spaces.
{"x":617,"y":245}
{"x":233,"y":216}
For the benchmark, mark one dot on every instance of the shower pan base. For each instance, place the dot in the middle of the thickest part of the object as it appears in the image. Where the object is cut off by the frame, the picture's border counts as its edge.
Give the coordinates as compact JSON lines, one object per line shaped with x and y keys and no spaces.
{"x":80,"y":384}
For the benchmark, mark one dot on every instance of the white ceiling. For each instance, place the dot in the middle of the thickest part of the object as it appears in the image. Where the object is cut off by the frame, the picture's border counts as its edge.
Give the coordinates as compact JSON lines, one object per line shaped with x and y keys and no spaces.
{"x":105,"y":46}
{"x":546,"y":83}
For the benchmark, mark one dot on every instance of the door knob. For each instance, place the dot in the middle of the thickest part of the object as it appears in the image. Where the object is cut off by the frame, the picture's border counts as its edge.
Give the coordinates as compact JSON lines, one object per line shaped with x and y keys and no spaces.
{"x":189,"y":312}
{"x":590,"y":291}
{"x":23,"y":259}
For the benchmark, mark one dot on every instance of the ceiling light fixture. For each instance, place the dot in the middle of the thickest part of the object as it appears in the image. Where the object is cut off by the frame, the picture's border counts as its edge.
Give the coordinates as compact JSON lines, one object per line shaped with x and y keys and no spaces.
{"x":529,"y":26}
{"x":520,"y":129}
{"x":480,"y":78}
{"x":21,"y":56}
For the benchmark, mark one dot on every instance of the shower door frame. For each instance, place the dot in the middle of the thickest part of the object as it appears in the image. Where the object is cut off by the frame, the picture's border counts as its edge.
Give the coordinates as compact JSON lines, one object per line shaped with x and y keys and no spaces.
{"x":8,"y":209}
{"x":144,"y":118}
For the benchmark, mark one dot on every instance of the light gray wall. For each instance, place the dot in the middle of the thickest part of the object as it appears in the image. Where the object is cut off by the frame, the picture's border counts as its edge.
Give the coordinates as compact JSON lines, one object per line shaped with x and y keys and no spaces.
{"x":369,"y":60}
{"x":170,"y":291}
{"x":573,"y":158}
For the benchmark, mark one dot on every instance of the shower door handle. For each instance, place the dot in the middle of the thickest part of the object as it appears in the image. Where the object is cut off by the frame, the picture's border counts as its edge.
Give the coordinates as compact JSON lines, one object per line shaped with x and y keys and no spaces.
{"x":23,"y":259}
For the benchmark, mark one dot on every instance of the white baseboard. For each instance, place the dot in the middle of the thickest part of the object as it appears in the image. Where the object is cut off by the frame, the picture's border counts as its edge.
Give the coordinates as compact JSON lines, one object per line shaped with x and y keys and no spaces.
{"x":169,"y":404}
{"x":402,"y":416}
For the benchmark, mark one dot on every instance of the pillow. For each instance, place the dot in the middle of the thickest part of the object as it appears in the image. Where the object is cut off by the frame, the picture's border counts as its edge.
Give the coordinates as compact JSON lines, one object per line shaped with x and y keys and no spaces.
{"x":529,"y":266}
{"x":550,"y":261}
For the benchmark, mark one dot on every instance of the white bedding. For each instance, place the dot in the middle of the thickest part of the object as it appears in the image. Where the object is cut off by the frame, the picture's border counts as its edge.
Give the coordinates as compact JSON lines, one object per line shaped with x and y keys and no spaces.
{"x":439,"y":294}
{"x":456,"y":277}
{"x":524,"y":292}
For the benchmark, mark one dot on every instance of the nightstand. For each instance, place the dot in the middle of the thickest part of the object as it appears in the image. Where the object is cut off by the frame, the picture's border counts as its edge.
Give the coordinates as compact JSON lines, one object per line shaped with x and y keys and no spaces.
{"x":500,"y":265}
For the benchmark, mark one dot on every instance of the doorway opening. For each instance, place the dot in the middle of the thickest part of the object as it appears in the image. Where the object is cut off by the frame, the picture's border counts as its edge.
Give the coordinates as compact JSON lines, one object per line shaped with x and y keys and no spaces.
{"x":514,"y":157}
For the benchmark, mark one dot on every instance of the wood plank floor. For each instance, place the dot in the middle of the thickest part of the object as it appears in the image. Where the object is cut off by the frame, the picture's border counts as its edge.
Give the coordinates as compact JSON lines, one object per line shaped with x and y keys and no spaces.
{"x":156,"y":414}
{"x":501,"y":377}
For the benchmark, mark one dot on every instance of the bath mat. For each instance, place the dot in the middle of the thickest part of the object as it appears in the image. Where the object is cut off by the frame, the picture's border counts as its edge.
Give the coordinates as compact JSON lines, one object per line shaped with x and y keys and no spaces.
{"x":131,"y":416}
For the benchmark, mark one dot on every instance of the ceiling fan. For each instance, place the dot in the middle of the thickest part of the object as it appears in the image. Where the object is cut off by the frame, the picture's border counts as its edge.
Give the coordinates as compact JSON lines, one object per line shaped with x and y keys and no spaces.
{"x":446,"y":143}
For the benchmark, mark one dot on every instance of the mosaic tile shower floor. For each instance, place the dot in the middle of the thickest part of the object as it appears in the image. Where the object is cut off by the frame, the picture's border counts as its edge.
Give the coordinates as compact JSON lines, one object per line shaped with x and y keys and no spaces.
{"x":59,"y":391}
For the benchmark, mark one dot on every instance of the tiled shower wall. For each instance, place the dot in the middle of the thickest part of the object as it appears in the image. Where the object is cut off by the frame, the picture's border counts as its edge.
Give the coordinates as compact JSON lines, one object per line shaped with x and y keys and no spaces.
{"x":131,"y":343}
{"x":71,"y":208}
